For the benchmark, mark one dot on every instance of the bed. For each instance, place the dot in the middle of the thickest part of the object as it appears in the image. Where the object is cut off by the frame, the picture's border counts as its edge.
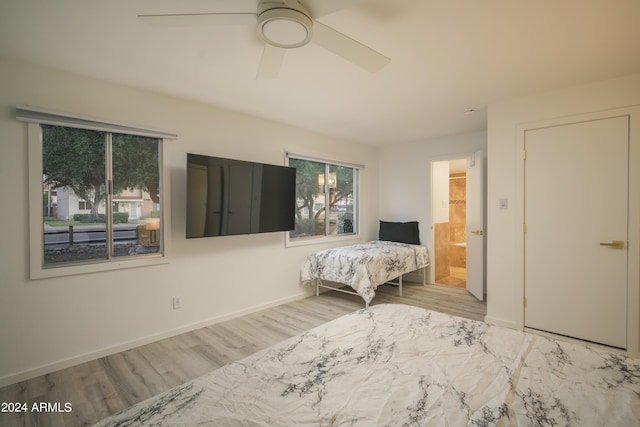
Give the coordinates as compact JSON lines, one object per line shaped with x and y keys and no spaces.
{"x":399,"y":365}
{"x":364,"y":266}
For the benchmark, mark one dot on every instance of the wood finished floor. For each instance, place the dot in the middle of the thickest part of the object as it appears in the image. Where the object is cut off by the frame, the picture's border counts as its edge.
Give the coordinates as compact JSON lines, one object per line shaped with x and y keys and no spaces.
{"x":108,"y":385}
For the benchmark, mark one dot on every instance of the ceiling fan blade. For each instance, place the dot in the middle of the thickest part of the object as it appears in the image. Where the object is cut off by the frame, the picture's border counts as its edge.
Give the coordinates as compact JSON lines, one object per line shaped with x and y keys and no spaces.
{"x":270,"y":63}
{"x":319,"y":8}
{"x":199,"y":19}
{"x":348,"y":48}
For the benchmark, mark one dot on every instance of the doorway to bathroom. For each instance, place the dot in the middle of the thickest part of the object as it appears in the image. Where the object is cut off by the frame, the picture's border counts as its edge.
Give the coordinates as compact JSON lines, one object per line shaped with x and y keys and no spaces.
{"x":457,"y":218}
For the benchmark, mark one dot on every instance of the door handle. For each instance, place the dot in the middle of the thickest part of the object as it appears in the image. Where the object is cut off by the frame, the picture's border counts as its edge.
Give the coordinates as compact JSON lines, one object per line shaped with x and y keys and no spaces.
{"x":478,"y":232}
{"x":615,"y":244}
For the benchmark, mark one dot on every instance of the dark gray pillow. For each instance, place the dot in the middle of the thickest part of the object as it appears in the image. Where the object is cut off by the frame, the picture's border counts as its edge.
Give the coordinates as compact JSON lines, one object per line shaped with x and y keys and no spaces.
{"x":402,"y":232}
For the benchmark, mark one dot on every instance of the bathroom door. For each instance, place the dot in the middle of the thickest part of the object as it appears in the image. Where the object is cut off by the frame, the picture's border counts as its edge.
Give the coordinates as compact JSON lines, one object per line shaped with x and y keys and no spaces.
{"x":474,"y":225}
{"x":575,"y":211}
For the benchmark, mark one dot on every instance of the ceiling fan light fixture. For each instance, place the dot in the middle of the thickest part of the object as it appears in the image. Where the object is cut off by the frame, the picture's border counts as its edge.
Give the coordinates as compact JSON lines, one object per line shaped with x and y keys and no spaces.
{"x":286,"y":28}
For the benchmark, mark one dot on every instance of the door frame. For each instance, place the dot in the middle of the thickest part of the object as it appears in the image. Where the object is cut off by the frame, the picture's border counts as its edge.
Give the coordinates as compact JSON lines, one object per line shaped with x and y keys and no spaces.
{"x":448,"y":158}
{"x":476,"y":167}
{"x":633,"y":251}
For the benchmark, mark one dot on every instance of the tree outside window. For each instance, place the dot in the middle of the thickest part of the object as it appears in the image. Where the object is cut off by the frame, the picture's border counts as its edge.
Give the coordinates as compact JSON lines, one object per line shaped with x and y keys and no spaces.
{"x":88,"y":169}
{"x":325,"y":199}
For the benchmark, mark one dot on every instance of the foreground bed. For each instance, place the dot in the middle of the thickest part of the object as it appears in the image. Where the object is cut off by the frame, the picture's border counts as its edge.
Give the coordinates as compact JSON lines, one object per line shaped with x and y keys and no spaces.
{"x":401,"y":365}
{"x":365,"y":266}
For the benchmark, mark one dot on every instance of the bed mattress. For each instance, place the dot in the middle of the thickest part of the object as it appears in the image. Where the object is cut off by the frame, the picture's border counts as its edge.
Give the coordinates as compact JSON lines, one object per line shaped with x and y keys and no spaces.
{"x":398,"y":365}
{"x":364,"y":266}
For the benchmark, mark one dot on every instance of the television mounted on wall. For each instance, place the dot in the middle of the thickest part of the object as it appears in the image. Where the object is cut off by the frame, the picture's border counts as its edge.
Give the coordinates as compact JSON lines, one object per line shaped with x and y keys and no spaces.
{"x":230,"y":197}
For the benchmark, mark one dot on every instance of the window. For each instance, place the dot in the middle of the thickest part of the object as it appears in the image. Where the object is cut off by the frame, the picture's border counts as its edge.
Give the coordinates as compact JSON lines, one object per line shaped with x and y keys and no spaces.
{"x":326,"y":199}
{"x":99,"y":196}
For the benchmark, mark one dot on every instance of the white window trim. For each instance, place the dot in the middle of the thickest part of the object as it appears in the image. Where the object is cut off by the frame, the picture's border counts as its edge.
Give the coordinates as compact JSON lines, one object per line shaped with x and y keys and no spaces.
{"x":29,"y":114}
{"x":36,"y":236}
{"x":318,"y":240}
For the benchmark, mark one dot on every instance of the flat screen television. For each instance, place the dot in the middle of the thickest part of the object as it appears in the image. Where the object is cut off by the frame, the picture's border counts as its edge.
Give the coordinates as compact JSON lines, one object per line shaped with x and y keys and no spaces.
{"x":228,"y":197}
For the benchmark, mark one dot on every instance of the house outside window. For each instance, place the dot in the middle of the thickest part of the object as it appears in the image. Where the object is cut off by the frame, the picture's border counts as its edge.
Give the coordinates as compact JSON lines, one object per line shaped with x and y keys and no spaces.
{"x":96,"y":199}
{"x":93,"y":169}
{"x":326,"y":200}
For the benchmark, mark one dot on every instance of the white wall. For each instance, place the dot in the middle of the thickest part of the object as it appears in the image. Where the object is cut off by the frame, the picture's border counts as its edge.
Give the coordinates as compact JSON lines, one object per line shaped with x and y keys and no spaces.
{"x":405,"y":176}
{"x":53,"y":323}
{"x":440,"y":192}
{"x":503,"y":281}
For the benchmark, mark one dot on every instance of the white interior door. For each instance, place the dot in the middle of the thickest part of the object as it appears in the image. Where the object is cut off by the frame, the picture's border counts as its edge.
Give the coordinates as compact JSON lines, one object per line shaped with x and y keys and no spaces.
{"x":474,"y":226}
{"x":576,"y":196}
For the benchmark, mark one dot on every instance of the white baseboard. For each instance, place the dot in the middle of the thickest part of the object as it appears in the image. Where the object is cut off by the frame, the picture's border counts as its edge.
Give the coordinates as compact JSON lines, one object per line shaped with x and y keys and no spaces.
{"x":87,"y":357}
{"x":501,"y":322}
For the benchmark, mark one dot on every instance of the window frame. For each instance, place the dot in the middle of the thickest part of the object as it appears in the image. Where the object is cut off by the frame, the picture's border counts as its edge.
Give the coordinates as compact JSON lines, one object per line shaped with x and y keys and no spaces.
{"x":326,"y":238}
{"x":37,"y":268}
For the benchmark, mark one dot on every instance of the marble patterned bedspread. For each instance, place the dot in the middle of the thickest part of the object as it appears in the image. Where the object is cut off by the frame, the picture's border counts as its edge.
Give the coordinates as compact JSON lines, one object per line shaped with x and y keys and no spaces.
{"x":398,"y":365}
{"x":365,"y":266}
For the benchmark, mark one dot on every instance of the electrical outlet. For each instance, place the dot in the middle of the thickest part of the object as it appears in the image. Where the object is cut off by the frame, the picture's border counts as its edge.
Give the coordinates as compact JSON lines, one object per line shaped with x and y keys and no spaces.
{"x":177,"y":303}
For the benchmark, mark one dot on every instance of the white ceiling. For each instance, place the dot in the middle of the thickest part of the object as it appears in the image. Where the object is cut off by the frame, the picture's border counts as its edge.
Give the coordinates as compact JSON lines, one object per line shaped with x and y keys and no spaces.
{"x":448,"y":56}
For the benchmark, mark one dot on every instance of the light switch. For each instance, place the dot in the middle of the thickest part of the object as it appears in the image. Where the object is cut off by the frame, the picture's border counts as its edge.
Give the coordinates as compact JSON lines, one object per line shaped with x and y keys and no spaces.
{"x":503,"y":203}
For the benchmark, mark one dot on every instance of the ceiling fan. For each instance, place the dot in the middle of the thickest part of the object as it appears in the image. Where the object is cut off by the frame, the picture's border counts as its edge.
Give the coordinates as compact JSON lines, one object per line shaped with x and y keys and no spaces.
{"x":286,"y":24}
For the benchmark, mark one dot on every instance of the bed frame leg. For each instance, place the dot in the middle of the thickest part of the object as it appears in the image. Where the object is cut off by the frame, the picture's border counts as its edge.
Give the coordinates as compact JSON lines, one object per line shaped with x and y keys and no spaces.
{"x":400,"y":286}
{"x":318,"y":287}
